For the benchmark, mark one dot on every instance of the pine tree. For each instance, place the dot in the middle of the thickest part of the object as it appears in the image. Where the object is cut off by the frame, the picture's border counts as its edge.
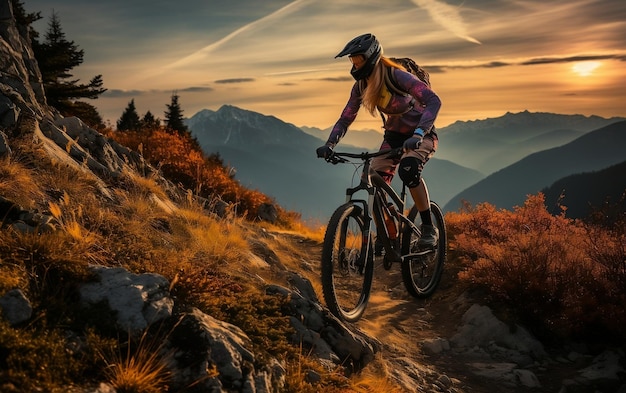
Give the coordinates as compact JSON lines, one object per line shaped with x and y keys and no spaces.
{"x":57,"y":57}
{"x":129,"y":121}
{"x":150,"y":122}
{"x":24,"y":19}
{"x":174,"y":117}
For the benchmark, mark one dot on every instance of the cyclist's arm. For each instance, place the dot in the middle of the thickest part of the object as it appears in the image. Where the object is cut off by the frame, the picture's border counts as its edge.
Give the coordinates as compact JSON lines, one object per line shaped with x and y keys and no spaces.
{"x":347,"y":116}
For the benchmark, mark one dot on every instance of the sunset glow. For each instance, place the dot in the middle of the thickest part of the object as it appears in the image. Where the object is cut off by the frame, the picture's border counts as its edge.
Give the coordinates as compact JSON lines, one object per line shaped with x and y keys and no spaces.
{"x":585,"y":68}
{"x":277,"y":57}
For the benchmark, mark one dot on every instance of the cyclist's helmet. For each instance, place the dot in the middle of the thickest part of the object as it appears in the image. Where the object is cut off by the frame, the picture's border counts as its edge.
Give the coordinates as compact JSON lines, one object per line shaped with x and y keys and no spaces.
{"x":368,"y":46}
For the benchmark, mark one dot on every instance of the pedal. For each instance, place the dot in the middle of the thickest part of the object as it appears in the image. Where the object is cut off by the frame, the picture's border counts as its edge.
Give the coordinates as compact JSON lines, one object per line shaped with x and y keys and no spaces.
{"x":390,"y":258}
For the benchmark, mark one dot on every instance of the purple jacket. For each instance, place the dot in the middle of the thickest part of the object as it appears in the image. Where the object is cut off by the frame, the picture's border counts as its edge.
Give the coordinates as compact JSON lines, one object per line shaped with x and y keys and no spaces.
{"x":398,"y":119}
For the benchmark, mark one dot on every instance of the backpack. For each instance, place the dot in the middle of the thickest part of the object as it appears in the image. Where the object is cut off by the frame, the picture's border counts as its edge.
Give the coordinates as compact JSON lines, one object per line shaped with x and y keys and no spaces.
{"x":390,"y":81}
{"x":410,"y":66}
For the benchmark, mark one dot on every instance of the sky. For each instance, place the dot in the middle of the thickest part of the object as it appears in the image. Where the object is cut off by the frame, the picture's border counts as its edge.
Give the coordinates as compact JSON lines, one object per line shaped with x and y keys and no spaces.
{"x":276,"y":57}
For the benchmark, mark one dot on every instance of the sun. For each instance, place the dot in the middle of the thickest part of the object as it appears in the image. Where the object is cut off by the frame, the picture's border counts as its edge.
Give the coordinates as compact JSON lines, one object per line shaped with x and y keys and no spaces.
{"x":585,"y":68}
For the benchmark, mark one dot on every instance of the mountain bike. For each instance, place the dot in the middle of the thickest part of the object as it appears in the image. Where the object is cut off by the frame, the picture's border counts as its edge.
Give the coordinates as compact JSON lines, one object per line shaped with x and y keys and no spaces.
{"x":348,"y":248}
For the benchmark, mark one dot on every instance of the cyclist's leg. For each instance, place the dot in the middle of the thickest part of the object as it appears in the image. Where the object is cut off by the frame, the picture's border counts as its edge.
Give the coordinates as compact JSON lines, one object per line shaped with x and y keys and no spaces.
{"x":386,"y":168}
{"x":411,"y":166}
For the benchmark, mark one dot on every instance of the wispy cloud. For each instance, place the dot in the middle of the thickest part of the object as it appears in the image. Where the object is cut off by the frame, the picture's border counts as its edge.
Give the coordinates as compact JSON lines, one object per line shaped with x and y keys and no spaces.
{"x":119,"y":93}
{"x":447,"y":17}
{"x":234,"y":80}
{"x":265,"y":21}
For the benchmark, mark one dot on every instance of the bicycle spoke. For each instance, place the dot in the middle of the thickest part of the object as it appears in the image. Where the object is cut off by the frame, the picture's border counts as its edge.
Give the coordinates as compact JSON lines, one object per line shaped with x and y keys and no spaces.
{"x":346,"y":272}
{"x":422,"y":269}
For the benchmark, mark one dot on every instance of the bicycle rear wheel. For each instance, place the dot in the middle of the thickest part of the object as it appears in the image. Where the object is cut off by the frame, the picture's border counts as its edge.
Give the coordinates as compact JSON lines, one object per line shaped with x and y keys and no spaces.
{"x":347,"y":263}
{"x":421,"y":273}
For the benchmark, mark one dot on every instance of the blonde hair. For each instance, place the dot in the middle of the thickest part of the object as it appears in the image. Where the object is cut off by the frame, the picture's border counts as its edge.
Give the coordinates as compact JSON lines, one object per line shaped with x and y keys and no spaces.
{"x":370,"y":95}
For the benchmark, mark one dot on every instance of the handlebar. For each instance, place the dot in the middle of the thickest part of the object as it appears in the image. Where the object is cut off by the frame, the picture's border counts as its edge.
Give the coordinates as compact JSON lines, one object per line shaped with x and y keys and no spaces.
{"x":341,"y":157}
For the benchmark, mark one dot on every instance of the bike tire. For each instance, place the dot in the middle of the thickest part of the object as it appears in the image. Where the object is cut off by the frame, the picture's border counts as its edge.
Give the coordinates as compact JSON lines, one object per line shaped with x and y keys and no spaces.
{"x":347,"y":263}
{"x":422,"y":274}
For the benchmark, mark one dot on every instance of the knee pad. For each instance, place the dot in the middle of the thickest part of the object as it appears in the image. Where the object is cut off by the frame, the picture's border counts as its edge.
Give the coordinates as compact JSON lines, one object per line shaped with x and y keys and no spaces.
{"x":409,"y":171}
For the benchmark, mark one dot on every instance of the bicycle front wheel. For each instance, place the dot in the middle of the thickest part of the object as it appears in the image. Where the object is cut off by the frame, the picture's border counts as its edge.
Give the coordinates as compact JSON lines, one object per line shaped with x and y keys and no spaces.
{"x":347,"y":263}
{"x":422,"y":269}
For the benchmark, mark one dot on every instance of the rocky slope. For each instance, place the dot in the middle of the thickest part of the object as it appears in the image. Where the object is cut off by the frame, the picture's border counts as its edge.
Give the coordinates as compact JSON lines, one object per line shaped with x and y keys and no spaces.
{"x":449,"y":343}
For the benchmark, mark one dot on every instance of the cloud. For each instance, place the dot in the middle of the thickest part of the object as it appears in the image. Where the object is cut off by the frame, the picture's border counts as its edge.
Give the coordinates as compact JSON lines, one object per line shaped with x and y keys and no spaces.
{"x":447,"y":17}
{"x":115,"y":93}
{"x":266,"y":20}
{"x":118,"y":93}
{"x":197,"y":89}
{"x":570,"y":59}
{"x":235,"y":80}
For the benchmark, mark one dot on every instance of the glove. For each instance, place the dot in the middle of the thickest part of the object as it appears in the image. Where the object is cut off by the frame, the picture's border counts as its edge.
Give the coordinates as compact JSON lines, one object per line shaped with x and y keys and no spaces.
{"x":324,"y":151}
{"x":412,"y":143}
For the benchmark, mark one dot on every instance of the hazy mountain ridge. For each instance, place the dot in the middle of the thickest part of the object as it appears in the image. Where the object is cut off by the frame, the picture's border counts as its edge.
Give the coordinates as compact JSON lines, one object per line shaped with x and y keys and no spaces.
{"x":368,"y":139}
{"x":578,"y":193}
{"x":279,"y":160}
{"x":536,"y":123}
{"x":246,"y":129}
{"x":492,"y":144}
{"x":509,"y":187}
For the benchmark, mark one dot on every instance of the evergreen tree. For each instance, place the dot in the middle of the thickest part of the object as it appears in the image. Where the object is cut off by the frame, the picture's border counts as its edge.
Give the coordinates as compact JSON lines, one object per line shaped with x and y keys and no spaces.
{"x":174,"y":117}
{"x":129,"y":121}
{"x":150,"y":122}
{"x":87,"y":113}
{"x":25,"y":20}
{"x":57,"y":57}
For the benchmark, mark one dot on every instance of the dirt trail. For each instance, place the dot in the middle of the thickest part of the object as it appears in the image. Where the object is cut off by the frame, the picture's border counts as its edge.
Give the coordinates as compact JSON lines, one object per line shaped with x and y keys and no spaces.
{"x":402,"y":323}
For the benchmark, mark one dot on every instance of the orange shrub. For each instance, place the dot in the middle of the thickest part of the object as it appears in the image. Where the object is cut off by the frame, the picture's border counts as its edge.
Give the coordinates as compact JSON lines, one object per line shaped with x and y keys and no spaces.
{"x":560,"y":275}
{"x":182,"y":161}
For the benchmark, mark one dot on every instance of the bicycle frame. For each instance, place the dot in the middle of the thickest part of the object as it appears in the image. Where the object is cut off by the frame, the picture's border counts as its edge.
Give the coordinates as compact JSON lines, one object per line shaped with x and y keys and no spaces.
{"x":378,"y":190}
{"x":348,"y":261}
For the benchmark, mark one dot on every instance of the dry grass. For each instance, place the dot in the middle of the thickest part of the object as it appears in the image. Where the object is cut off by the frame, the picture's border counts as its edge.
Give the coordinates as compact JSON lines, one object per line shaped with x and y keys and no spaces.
{"x":18,"y":184}
{"x":142,"y":368}
{"x":133,"y":223}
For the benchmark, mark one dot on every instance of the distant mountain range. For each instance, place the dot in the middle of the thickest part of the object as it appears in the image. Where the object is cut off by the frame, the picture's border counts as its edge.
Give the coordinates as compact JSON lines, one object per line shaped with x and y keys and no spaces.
{"x":278,"y":158}
{"x":509,"y":186}
{"x":492,"y":144}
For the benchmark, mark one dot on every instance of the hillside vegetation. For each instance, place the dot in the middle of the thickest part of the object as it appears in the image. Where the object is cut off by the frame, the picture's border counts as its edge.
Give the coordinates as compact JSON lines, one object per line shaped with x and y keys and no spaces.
{"x":566,"y":278}
{"x":150,"y":201}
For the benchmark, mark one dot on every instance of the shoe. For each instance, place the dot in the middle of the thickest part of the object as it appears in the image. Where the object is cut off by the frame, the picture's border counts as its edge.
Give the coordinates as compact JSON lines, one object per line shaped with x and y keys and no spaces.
{"x":429,"y":238}
{"x":378,"y":247}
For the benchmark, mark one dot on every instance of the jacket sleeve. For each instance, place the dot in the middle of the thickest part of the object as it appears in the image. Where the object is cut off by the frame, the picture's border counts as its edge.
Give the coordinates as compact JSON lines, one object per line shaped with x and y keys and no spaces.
{"x":424,"y":95}
{"x":347,"y":117}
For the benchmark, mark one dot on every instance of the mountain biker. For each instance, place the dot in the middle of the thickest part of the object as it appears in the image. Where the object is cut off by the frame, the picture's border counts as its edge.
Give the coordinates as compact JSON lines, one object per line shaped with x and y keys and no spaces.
{"x":409,"y":122}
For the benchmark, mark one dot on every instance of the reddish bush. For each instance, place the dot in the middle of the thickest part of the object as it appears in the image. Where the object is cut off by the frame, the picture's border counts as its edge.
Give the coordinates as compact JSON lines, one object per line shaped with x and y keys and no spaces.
{"x":563,"y":276}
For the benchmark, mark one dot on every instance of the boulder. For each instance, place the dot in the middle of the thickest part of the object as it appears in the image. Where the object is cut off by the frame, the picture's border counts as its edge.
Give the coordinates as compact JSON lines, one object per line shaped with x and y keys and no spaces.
{"x":138,"y":300}
{"x":15,"y":307}
{"x":201,"y":343}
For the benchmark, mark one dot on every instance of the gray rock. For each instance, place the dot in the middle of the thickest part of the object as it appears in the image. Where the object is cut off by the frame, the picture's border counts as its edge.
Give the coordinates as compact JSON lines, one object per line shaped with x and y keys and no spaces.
{"x":480,"y":328}
{"x":16,"y":308}
{"x":138,"y":300}
{"x":526,"y":378}
{"x":268,"y":212}
{"x":605,"y":366}
{"x":322,"y":332}
{"x":5,"y":150}
{"x":435,"y":345}
{"x":202,"y":342}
